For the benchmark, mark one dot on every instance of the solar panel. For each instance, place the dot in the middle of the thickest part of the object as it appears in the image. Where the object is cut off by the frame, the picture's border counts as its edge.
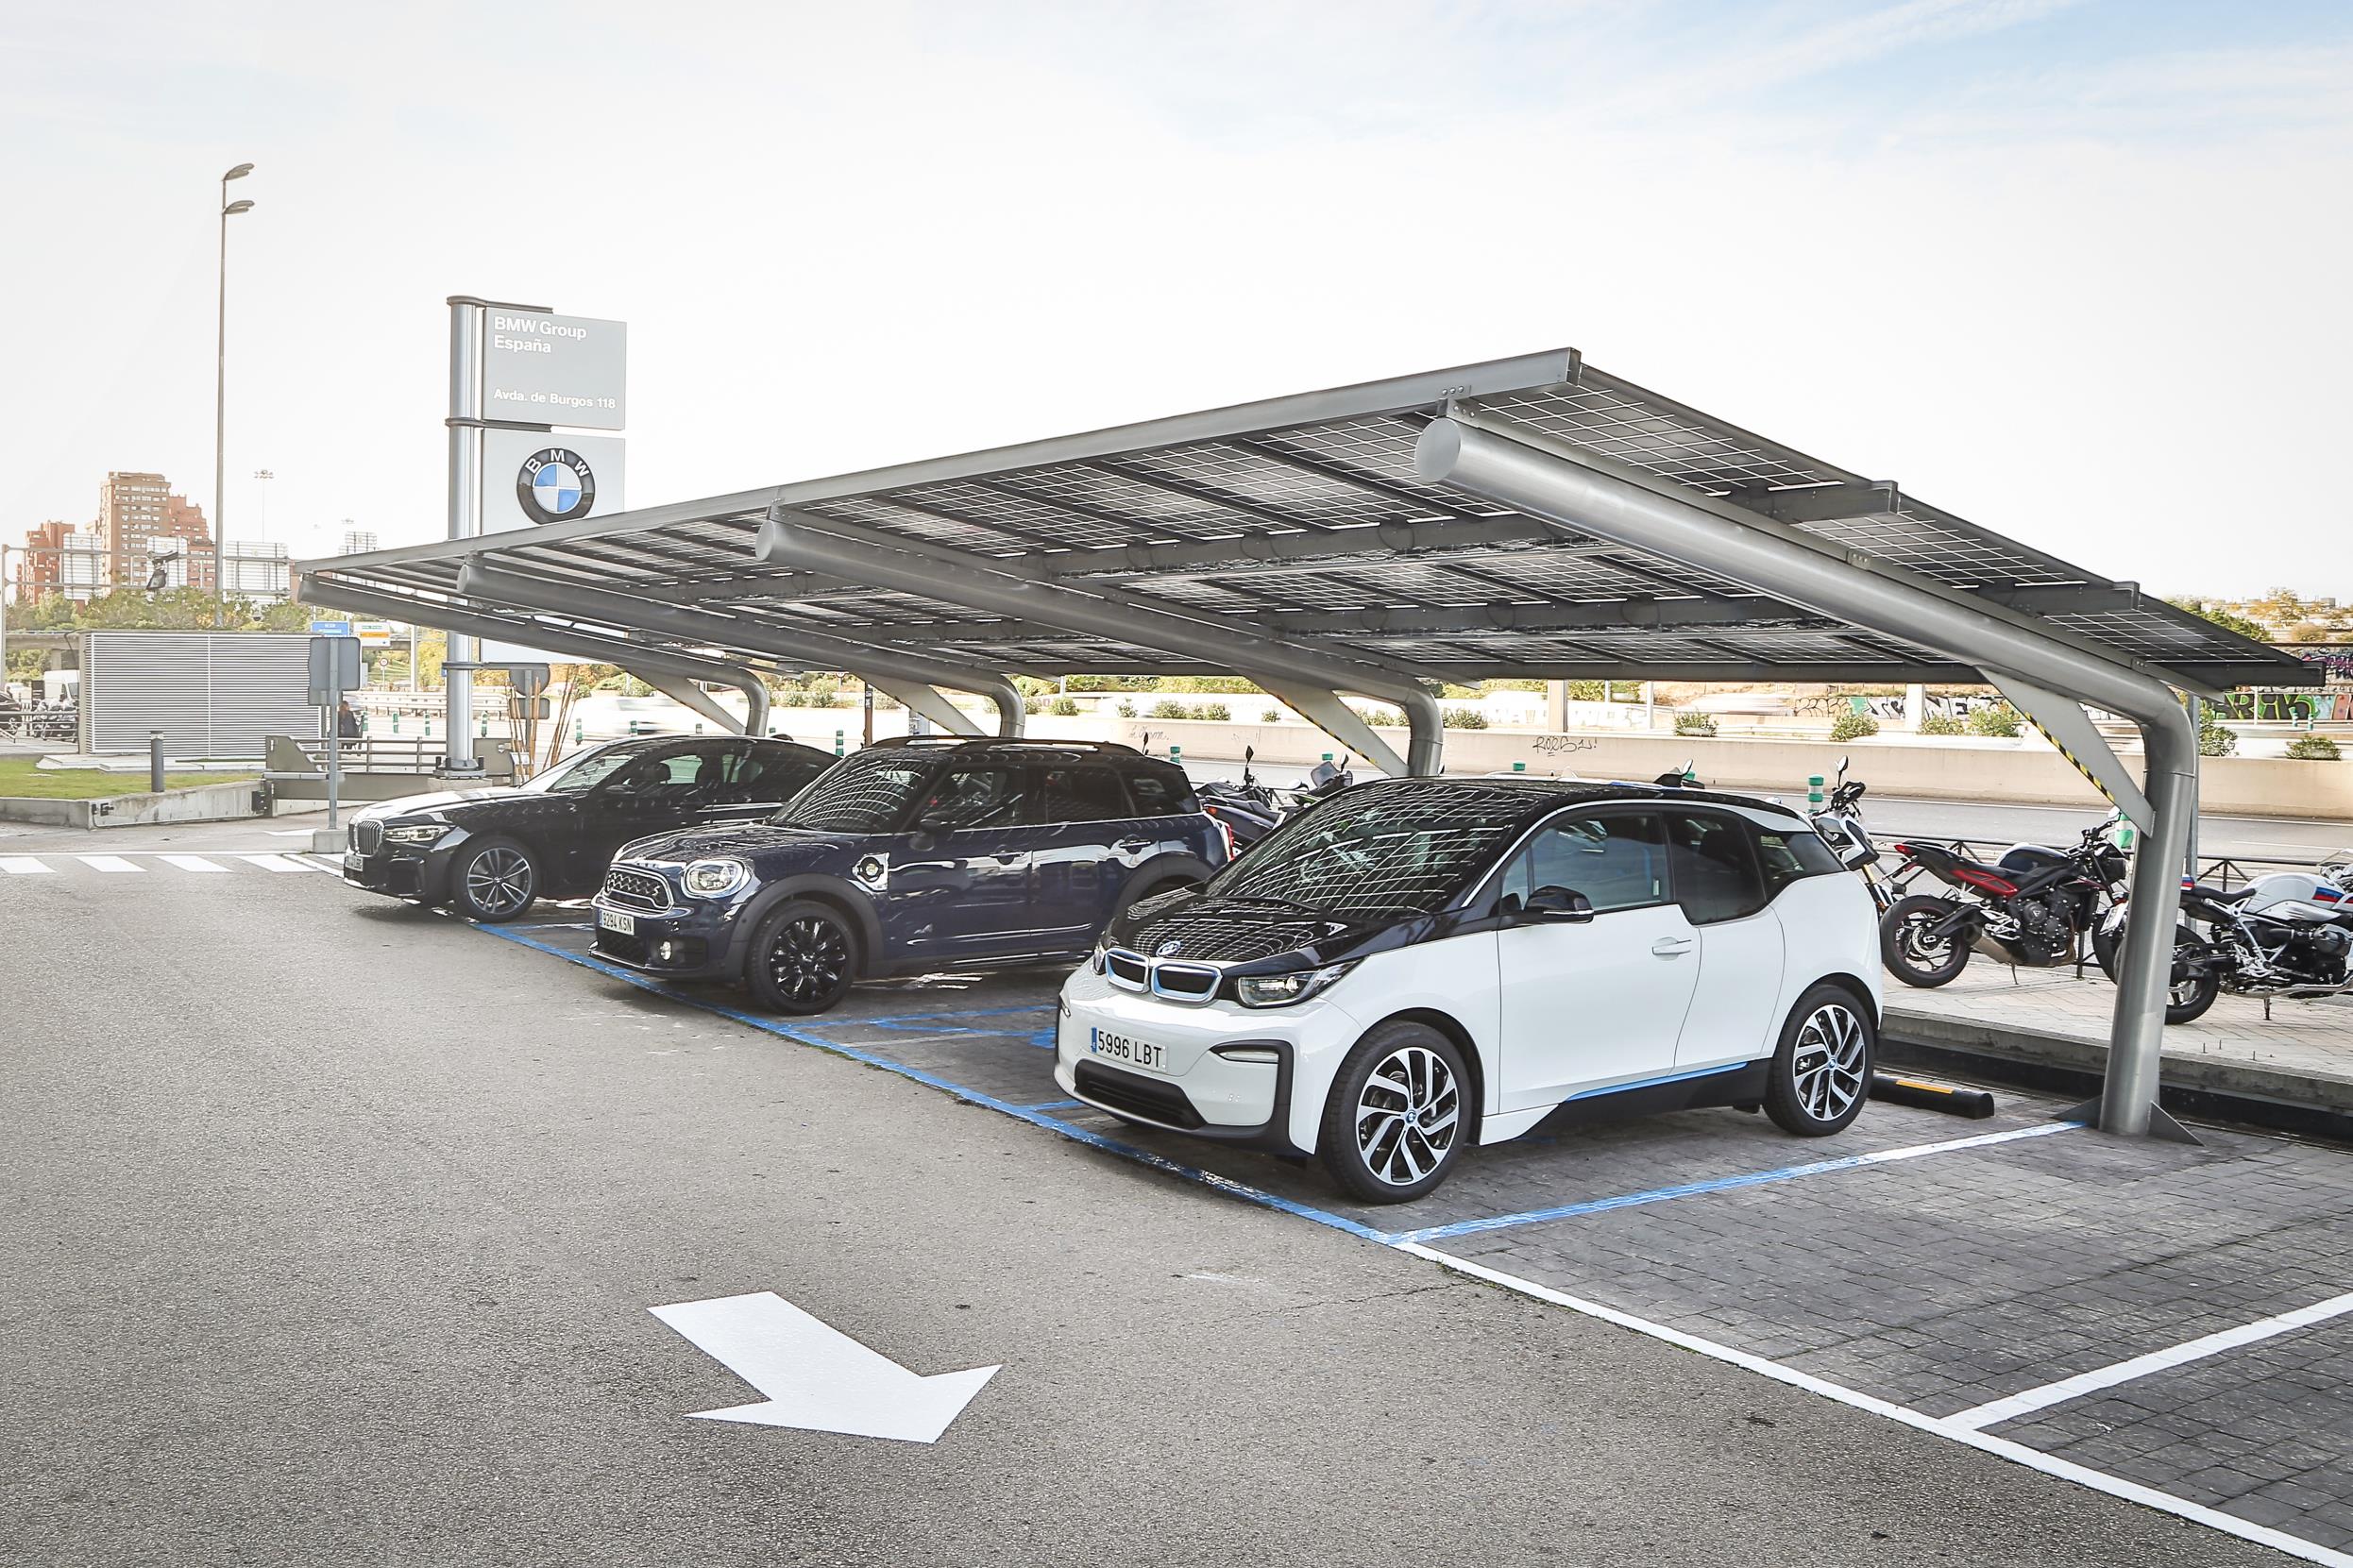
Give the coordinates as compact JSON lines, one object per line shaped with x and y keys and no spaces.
{"x":1302,"y":521}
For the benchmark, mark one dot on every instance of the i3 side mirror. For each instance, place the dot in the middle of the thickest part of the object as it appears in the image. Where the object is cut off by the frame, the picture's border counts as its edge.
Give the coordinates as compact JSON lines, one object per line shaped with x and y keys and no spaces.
{"x":1552,"y":905}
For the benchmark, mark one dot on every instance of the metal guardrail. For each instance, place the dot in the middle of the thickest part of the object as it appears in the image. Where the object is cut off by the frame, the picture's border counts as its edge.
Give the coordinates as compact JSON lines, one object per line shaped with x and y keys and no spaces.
{"x":31,"y":724}
{"x":2225,"y":870}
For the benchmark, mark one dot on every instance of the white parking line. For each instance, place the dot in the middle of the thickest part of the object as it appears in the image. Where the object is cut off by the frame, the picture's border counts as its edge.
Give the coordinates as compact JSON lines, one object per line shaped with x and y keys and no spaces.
{"x":24,"y":866}
{"x":190,"y":863}
{"x":113,"y":863}
{"x":275,"y":863}
{"x":1996,"y":1411}
{"x":2017,"y":1453}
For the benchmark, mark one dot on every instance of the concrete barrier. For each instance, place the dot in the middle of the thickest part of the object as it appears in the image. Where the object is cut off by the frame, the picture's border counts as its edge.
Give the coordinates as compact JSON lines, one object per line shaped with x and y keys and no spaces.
{"x":218,"y":803}
{"x":2026,"y":771}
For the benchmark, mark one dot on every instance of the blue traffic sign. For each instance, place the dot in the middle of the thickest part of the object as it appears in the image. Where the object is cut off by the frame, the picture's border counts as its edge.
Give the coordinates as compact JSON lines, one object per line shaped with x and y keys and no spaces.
{"x":330,"y":629}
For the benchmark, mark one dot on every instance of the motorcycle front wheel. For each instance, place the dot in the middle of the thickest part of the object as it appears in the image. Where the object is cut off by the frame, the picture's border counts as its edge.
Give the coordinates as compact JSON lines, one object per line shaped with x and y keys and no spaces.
{"x":2194,"y":984}
{"x":1910,"y":948}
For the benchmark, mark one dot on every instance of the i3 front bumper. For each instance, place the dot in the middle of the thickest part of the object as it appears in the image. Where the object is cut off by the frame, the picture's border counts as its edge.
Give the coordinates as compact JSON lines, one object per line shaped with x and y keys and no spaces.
{"x":1160,"y":1062}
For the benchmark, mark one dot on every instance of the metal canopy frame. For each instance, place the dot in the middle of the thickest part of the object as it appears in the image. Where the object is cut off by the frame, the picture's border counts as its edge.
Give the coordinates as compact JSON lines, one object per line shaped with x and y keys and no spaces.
{"x":1529,"y":517}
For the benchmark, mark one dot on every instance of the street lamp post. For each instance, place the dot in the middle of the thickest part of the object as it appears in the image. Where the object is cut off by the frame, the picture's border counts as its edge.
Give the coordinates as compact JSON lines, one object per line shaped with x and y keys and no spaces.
{"x":220,"y":407}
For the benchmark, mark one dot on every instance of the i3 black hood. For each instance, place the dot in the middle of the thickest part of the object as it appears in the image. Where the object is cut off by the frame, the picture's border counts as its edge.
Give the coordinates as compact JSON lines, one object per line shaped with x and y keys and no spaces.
{"x":1192,"y":923}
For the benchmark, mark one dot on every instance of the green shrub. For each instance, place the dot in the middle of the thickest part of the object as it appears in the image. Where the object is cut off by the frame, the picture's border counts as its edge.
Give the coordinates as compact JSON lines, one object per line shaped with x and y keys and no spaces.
{"x":1853,"y":727}
{"x":1997,"y":718}
{"x":1127,"y":709}
{"x":1227,"y":685}
{"x":1942,"y":724}
{"x":2215,"y":738}
{"x":1272,"y":716}
{"x":1063,"y":707}
{"x":1463,"y":718}
{"x":1033,"y":705}
{"x":1695,"y":724}
{"x":2314,"y":748}
{"x":1216,"y":713}
{"x":1166,"y":708}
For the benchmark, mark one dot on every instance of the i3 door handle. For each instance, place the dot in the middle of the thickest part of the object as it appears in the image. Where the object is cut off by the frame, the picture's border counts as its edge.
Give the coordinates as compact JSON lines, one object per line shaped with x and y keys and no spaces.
{"x":1672,"y":947}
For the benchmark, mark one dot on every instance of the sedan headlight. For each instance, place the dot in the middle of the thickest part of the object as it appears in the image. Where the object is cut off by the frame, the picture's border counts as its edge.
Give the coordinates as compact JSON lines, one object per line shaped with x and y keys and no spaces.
{"x":425,"y":833}
{"x":714,"y":879}
{"x":1281,"y":990}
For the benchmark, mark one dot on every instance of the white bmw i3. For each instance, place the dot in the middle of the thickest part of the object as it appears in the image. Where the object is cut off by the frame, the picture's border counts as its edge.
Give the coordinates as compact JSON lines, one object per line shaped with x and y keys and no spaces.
{"x":1419,"y":965}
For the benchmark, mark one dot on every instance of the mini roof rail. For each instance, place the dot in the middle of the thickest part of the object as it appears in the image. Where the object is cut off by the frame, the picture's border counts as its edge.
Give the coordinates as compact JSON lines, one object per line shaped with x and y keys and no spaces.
{"x":1001,"y":742}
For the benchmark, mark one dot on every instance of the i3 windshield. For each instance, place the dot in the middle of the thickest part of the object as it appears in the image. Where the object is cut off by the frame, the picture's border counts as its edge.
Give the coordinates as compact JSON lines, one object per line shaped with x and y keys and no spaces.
{"x":1403,"y":846}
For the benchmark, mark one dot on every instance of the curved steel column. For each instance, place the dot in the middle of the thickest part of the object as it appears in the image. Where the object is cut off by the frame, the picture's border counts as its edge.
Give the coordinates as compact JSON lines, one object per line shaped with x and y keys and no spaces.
{"x":1774,"y":559}
{"x":476,"y":580}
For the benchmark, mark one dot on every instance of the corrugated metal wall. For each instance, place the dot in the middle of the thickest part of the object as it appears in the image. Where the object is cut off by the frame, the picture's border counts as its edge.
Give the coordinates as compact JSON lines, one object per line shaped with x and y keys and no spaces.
{"x":211,"y":694}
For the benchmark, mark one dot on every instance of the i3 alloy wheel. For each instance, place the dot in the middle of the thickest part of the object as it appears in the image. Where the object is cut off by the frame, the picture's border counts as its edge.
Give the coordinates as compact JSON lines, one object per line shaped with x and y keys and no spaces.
{"x":1820,"y":1075}
{"x":802,"y":960}
{"x":493,"y":881}
{"x":1399,"y":1114}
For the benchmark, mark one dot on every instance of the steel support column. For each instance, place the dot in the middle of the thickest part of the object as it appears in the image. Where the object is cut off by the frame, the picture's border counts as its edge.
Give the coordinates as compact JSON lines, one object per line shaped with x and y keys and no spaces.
{"x":902,"y":672}
{"x":805,"y":543}
{"x":1776,"y":559}
{"x":684,"y":692}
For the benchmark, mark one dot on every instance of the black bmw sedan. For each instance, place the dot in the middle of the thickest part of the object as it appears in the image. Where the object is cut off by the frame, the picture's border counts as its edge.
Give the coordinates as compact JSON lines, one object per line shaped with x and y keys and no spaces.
{"x":489,"y":854}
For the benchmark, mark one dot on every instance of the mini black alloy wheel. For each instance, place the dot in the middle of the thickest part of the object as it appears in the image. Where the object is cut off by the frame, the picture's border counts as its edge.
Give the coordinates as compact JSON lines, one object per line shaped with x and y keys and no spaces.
{"x":1399,"y":1115}
{"x":1821,"y":1074}
{"x":493,"y":881}
{"x":803,"y":959}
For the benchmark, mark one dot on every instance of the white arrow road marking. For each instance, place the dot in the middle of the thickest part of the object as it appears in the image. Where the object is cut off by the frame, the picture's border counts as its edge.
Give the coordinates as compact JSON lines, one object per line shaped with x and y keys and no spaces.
{"x":815,"y":1376}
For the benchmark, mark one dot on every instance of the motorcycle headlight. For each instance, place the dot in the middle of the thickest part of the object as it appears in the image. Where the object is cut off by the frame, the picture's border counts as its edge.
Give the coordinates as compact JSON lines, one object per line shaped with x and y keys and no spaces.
{"x":714,"y":879}
{"x":423,"y":833}
{"x":1281,"y":990}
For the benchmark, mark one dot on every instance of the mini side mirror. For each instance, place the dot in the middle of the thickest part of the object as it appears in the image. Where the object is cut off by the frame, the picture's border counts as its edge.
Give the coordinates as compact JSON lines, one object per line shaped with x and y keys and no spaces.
{"x":930,"y":829}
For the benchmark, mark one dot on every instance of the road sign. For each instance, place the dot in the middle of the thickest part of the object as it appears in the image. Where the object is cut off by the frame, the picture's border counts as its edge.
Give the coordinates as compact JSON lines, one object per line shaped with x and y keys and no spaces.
{"x":814,"y":1376}
{"x":330,"y":629}
{"x":542,"y":370}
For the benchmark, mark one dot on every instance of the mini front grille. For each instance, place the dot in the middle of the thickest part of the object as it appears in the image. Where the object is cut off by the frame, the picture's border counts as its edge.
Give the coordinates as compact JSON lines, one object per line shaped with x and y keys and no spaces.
{"x":636,"y":889}
{"x":629,"y":950}
{"x":368,"y":835}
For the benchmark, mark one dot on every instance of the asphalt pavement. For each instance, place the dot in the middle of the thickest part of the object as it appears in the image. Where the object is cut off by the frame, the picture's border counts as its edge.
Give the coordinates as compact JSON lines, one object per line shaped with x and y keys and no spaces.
{"x":332,"y":1228}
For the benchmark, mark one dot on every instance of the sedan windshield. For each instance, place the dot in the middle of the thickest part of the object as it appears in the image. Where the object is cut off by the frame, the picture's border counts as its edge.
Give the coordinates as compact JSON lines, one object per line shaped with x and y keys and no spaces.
{"x":583,"y":771}
{"x":866,"y":794}
{"x":1406,"y":846}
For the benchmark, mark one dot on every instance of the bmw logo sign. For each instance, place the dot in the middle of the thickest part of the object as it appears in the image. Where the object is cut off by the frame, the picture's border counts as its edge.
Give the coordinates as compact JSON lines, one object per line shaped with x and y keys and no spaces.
{"x":554,"y":485}
{"x":1167,"y":948}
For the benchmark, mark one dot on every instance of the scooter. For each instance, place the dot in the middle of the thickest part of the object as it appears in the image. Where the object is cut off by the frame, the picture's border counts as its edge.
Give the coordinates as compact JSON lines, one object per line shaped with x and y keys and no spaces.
{"x":1839,"y":821}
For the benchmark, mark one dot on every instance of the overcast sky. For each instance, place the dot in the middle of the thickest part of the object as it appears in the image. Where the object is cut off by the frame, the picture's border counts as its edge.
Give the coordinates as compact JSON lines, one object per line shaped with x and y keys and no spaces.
{"x":2077,"y":271}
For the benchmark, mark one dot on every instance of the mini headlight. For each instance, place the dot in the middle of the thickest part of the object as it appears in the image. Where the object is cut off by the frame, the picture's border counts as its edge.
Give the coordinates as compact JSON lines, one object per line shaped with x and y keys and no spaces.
{"x":422,"y":834}
{"x":1281,"y":990}
{"x":712,"y":879}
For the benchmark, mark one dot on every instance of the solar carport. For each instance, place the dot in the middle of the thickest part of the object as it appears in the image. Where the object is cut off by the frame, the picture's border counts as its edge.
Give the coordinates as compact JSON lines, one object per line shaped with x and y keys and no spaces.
{"x":1529,"y":517}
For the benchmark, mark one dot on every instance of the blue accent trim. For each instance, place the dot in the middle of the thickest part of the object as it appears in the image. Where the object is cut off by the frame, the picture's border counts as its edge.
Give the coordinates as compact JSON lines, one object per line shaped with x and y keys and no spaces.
{"x":1654,"y":1083}
{"x":1032,"y":1115}
{"x":1660,"y":1194}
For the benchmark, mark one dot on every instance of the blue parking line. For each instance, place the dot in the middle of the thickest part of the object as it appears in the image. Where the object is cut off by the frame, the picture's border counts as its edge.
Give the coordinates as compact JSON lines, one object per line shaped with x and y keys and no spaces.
{"x":1034,"y":1115}
{"x":1725,"y":1183}
{"x":1057,"y":1105}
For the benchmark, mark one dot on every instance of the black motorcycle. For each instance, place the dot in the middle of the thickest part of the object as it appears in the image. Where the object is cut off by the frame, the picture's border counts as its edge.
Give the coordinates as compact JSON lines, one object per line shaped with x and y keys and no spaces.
{"x":1251,"y":810}
{"x":2034,"y":907}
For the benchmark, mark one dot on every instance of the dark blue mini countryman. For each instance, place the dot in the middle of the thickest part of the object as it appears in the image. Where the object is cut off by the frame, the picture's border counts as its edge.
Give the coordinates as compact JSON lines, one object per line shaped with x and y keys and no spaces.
{"x":911,"y":855}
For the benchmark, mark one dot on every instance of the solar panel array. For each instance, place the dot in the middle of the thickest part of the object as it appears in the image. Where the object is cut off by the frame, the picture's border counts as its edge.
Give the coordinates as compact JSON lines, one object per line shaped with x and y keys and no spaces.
{"x":1303,"y":519}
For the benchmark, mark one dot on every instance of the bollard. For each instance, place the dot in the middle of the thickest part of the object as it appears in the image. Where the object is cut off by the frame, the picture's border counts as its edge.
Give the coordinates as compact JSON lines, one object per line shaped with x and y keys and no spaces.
{"x":485,"y":731}
{"x":838,"y":751}
{"x":1519,"y":768}
{"x":155,"y":761}
{"x":698,"y":726}
{"x":396,"y":723}
{"x":1327,"y":756}
{"x":580,"y":732}
{"x":1176,"y":755}
{"x":1814,"y":789}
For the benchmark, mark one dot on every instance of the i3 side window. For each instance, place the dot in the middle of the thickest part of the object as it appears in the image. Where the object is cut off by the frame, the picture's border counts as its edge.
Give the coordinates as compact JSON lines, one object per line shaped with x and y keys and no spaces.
{"x":1419,"y":965}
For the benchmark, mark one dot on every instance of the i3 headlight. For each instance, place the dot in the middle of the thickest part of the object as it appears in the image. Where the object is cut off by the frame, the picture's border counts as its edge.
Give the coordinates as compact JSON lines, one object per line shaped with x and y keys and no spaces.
{"x":1281,"y":990}
{"x":1094,"y":960}
{"x":716,"y":878}
{"x":424,"y":832}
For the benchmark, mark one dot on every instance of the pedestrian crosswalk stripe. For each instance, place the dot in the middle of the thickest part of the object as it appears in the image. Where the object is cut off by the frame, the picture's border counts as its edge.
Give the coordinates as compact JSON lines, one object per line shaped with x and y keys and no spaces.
{"x":191,"y":863}
{"x":108,"y":863}
{"x":23,"y":865}
{"x":273,"y":862}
